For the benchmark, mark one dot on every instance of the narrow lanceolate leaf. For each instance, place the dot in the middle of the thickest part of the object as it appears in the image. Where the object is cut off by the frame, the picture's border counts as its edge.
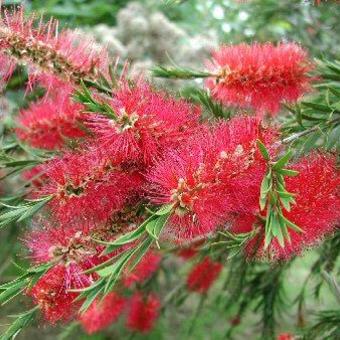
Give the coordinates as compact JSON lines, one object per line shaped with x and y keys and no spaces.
{"x":164,"y":210}
{"x":293,"y":225}
{"x":12,"y":291}
{"x":263,"y":150}
{"x":266,"y":186}
{"x":155,"y":226}
{"x":283,"y":161}
{"x":176,"y":72}
{"x":276,"y":199}
{"x":92,"y":105}
{"x":22,"y":211}
{"x":132,"y":259}
{"x":287,"y":172}
{"x":91,"y":297}
{"x":22,"y":320}
{"x":123,"y":240}
{"x":148,"y":225}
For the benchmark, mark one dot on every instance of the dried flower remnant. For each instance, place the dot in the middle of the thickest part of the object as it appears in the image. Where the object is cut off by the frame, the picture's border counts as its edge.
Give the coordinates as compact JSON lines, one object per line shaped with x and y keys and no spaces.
{"x":102,"y":313}
{"x":63,"y":55}
{"x":260,"y":76}
{"x":143,"y":312}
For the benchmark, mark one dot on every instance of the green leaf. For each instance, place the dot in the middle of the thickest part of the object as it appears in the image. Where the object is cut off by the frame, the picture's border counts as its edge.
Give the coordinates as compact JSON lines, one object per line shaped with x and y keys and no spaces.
{"x":286,"y":202}
{"x":287,"y":172}
{"x":136,"y":255}
{"x":268,"y":228}
{"x":164,"y":210}
{"x":114,"y":268}
{"x":155,"y":226}
{"x":22,"y":211}
{"x":89,"y":299}
{"x":12,"y":291}
{"x":177,"y":72}
{"x":317,"y":107}
{"x":264,"y":152}
{"x":126,"y":238}
{"x":21,"y":322}
{"x":283,"y":160}
{"x":266,"y":186}
{"x":333,"y":137}
{"x":292,"y":225}
{"x":284,"y":194}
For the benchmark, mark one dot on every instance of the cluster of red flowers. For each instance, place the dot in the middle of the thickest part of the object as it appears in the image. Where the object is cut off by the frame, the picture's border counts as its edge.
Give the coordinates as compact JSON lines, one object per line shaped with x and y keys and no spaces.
{"x":153,"y":149}
{"x":142,"y":311}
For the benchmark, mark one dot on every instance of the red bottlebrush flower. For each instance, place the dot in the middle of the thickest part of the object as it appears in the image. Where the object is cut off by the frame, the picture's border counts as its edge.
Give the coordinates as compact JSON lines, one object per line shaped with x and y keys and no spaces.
{"x":52,"y":293}
{"x":144,"y":269}
{"x":202,"y":178}
{"x":285,"y":336}
{"x":261,"y":76}
{"x":70,"y":244}
{"x":143,"y":312}
{"x":55,"y":55}
{"x":146,"y":123}
{"x":181,"y":179}
{"x":241,"y":166}
{"x":47,"y":123}
{"x":86,"y":187}
{"x":102,"y":313}
{"x":203,"y":275}
{"x":316,"y":212}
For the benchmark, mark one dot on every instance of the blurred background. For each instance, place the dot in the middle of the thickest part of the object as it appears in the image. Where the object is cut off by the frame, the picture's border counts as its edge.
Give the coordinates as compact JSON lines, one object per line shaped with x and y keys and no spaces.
{"x":153,"y":32}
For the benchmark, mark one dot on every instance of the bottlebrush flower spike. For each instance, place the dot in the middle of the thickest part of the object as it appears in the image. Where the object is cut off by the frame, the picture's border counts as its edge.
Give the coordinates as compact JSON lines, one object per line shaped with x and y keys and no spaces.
{"x":260,"y":76}
{"x":71,"y":244}
{"x":61,"y":55}
{"x":316,"y":212}
{"x":241,"y":166}
{"x":203,"y":275}
{"x":102,"y":313}
{"x":87,"y":186}
{"x":144,"y":269}
{"x":143,"y":312}
{"x":52,"y":293}
{"x":47,"y":123}
{"x":181,"y":179}
{"x":146,"y":123}
{"x":202,"y":178}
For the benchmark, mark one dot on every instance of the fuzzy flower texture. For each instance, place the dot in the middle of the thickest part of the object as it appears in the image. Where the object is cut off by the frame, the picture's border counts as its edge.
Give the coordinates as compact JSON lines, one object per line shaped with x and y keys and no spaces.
{"x":260,"y":76}
{"x":104,"y":172}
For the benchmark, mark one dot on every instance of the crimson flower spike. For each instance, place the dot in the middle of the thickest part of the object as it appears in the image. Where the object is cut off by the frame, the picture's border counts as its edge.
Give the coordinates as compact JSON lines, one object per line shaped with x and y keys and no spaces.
{"x":259,"y":76}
